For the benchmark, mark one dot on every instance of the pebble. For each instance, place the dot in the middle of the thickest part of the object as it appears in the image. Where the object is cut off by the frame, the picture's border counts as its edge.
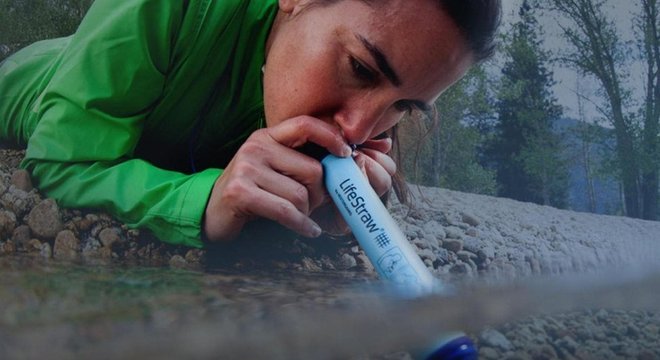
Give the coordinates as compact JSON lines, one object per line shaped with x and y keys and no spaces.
{"x":177,"y":261}
{"x":346,"y":262}
{"x":46,"y":250}
{"x":67,"y":246}
{"x":21,"y":180}
{"x":110,"y":238}
{"x":7,"y":224}
{"x":21,"y":235}
{"x":45,"y":219}
{"x":495,"y":339}
{"x":454,"y":245}
{"x":470,"y":219}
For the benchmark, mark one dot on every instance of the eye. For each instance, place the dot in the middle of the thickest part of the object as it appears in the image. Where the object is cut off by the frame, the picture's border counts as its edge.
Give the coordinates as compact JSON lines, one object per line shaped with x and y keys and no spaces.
{"x":362,"y":71}
{"x":404,"y":106}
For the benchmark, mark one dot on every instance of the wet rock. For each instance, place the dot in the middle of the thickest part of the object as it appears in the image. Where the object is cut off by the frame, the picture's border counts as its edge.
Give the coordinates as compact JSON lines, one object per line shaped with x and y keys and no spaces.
{"x":21,"y":235}
{"x":46,"y":250}
{"x":66,"y":245}
{"x":45,"y":219}
{"x":21,"y":180}
{"x":177,"y":261}
{"x":33,"y":245}
{"x":346,"y":261}
{"x":91,"y":248}
{"x":110,"y":238}
{"x":194,"y":256}
{"x":7,"y":224}
{"x":18,"y":201}
{"x":454,"y":245}
{"x":7,"y":247}
{"x":310,"y":265}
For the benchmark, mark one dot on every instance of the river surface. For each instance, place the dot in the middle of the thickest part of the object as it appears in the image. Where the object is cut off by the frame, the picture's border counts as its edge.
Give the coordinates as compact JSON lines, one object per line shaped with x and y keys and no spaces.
{"x":50,"y":309}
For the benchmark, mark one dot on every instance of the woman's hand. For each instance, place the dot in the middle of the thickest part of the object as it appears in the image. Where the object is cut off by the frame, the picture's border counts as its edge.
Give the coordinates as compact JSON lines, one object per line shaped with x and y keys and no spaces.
{"x":379,"y":168}
{"x":268,"y":178}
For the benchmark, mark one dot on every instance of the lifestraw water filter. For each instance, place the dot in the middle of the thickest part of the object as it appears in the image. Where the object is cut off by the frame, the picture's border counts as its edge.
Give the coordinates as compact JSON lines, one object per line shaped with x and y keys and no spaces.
{"x":374,"y":228}
{"x":387,"y":247}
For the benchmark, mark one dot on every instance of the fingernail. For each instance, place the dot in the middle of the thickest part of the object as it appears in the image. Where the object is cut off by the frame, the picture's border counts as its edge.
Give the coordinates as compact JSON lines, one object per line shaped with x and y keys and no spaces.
{"x":346,"y":151}
{"x":315,"y":231}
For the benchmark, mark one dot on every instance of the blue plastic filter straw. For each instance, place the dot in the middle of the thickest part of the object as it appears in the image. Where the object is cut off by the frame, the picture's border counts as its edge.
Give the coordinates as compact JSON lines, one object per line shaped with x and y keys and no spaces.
{"x":387,"y":247}
{"x":374,"y":228}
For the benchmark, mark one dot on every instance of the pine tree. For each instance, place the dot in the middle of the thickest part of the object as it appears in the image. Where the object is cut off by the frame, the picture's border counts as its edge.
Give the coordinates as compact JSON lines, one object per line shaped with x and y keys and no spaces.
{"x":525,"y":151}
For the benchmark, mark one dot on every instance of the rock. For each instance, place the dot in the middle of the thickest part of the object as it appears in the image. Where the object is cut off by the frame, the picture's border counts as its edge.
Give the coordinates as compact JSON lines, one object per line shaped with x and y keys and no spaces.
{"x":495,"y":339}
{"x":346,"y":261}
{"x":33,"y":245}
{"x":7,"y":247}
{"x":453,"y":232}
{"x":45,"y":219}
{"x":7,"y":224}
{"x":91,"y":248}
{"x":470,"y":219}
{"x":178,"y":261}
{"x":445,"y":256}
{"x":66,"y":245}
{"x":21,"y":179}
{"x":427,"y":254}
{"x":110,"y":238}
{"x":461,"y":268}
{"x":489,"y":353}
{"x":310,"y":265}
{"x":454,"y":245}
{"x":46,"y":250}
{"x":471,"y":232}
{"x":194,"y":256}
{"x":466,"y":255}
{"x":21,"y":235}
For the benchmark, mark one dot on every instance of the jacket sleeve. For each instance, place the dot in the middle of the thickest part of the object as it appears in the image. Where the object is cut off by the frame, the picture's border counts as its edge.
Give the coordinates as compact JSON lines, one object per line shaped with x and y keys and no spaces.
{"x":91,"y":116}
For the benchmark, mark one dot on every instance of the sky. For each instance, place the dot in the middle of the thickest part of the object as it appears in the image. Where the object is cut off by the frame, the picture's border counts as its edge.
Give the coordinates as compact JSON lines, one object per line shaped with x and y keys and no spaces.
{"x":567,"y":79}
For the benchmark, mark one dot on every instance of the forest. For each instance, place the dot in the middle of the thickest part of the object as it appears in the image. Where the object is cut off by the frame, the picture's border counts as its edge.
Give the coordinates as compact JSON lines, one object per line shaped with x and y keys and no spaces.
{"x":502,"y":130}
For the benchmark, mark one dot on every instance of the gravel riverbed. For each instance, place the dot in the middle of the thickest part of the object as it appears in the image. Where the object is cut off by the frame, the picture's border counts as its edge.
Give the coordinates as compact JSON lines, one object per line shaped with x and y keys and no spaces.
{"x":460,"y":237}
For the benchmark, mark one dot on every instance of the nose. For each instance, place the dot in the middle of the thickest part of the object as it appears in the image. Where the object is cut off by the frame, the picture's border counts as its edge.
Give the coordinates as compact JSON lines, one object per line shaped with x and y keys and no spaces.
{"x":359,"y":124}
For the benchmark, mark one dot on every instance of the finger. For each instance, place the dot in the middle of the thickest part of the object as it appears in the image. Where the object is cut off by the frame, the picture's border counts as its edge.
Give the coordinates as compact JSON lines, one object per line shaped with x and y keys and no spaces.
{"x":273,"y":207}
{"x":381,"y":158}
{"x":300,"y":130}
{"x":286,"y":188}
{"x":379,"y":178}
{"x":303,"y":169}
{"x":260,"y":158}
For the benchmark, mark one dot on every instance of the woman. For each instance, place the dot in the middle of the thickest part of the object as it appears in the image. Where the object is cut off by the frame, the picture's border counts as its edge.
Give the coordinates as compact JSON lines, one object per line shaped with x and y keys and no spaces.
{"x":185,"y":116}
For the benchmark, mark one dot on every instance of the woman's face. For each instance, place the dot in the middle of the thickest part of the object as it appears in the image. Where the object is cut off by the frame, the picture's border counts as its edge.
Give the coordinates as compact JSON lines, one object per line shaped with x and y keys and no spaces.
{"x":360,"y":65}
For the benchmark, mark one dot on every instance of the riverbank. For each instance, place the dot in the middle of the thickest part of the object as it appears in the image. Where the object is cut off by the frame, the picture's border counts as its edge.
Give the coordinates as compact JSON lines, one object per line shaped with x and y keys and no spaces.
{"x":462,"y":238}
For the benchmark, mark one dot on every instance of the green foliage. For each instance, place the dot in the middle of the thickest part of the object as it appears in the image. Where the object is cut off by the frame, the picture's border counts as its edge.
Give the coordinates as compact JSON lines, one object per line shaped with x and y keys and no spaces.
{"x":449,"y":154}
{"x":525,"y":151}
{"x":25,"y":21}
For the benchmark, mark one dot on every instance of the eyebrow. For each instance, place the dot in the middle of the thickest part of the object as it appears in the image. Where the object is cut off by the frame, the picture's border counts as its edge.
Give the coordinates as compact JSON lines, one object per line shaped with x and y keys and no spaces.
{"x":381,"y":61}
{"x":385,"y":67}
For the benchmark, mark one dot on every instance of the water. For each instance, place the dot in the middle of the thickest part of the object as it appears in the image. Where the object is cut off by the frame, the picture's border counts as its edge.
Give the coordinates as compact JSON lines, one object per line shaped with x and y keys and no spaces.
{"x":63,"y":310}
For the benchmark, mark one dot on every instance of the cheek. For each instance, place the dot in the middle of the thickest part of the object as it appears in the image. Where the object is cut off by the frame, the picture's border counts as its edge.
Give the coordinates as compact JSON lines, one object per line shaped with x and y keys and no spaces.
{"x":300,"y":90}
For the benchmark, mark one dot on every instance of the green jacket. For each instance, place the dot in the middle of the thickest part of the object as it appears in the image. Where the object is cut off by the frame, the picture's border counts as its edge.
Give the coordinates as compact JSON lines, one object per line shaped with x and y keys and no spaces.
{"x":120,"y":115}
